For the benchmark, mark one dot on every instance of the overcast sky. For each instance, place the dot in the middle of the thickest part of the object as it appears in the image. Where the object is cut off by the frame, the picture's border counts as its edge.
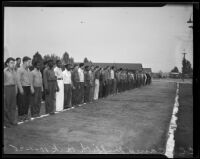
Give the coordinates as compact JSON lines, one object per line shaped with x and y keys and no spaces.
{"x":154,"y":36}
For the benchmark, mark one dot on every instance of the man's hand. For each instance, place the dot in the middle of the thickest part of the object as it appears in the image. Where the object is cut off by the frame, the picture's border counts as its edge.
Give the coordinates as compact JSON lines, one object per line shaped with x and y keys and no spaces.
{"x":32,"y":90}
{"x":57,"y":90}
{"x":21,"y":91}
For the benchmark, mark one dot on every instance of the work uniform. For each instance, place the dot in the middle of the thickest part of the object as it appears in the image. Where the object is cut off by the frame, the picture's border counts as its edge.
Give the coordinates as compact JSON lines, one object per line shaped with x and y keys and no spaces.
{"x":60,"y":93}
{"x":67,"y":79}
{"x":76,"y":83}
{"x":10,"y":88}
{"x":25,"y":83}
{"x":50,"y":84}
{"x":96,"y":90}
{"x":87,"y":86}
{"x":81,"y":93}
{"x":38,"y":89}
{"x":92,"y":84}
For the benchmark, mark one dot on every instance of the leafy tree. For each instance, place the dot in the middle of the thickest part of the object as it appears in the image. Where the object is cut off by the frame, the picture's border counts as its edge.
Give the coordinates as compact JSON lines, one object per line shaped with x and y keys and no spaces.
{"x":186,"y":67}
{"x":71,"y":60}
{"x":52,"y":57}
{"x":85,"y":60}
{"x":175,"y":69}
{"x":37,"y":57}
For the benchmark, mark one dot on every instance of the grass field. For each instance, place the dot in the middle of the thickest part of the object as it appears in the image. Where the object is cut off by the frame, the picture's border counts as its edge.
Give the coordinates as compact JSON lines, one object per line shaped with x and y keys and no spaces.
{"x":134,"y":121}
{"x":184,"y":132}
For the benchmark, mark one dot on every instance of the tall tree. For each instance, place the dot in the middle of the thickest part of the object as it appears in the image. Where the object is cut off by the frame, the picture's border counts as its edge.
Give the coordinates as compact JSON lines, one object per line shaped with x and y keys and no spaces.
{"x":175,"y":69}
{"x":65,"y":58}
{"x":38,"y":57}
{"x":186,"y":67}
{"x":85,"y":60}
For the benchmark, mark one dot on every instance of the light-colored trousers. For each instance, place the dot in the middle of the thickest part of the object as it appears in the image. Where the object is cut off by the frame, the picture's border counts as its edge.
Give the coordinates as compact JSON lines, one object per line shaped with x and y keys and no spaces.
{"x":96,"y":89}
{"x":60,"y":96}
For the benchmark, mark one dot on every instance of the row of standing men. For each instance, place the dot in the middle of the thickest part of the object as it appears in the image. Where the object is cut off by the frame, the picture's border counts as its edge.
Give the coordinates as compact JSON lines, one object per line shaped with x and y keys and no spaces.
{"x":62,"y":88}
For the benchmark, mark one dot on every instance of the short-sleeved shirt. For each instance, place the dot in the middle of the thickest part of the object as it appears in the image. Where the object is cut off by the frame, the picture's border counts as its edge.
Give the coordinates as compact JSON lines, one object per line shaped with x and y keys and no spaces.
{"x":36,"y":78}
{"x":81,"y":75}
{"x":67,"y":77}
{"x":10,"y":77}
{"x":112,"y":75}
{"x":24,"y":76}
{"x":58,"y":72}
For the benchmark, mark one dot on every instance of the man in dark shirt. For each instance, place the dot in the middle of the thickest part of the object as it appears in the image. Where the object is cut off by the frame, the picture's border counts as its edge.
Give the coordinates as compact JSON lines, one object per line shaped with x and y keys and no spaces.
{"x":51,"y":87}
{"x":87,"y":85}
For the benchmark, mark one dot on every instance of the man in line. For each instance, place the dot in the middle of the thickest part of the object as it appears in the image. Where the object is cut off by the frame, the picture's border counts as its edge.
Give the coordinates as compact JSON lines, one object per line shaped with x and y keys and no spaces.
{"x":60,"y":93}
{"x":91,"y":72}
{"x":10,"y":91}
{"x":76,"y":83}
{"x":112,"y":78}
{"x":97,"y":75}
{"x":38,"y":89}
{"x":18,"y":62}
{"x":25,"y":88}
{"x":81,"y":77}
{"x":101,"y":83}
{"x":87,"y":85}
{"x":51,"y":87}
{"x":68,"y":86}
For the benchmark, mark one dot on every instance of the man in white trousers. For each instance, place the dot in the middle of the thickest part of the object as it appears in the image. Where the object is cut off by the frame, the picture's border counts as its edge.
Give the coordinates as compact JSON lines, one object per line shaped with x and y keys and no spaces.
{"x":96,"y":89}
{"x":60,"y":93}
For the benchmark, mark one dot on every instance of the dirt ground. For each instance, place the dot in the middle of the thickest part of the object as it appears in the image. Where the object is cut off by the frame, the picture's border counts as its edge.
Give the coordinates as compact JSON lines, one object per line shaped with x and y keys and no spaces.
{"x":184,"y":132}
{"x":134,"y":121}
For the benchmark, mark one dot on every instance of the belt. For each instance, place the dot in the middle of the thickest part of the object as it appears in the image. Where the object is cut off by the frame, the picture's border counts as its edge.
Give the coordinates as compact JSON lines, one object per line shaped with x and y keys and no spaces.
{"x":11,"y":85}
{"x":59,"y":78}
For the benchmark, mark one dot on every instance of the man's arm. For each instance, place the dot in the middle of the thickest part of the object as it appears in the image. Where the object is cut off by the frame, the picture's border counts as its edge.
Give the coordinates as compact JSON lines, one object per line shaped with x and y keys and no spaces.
{"x":19,"y":85}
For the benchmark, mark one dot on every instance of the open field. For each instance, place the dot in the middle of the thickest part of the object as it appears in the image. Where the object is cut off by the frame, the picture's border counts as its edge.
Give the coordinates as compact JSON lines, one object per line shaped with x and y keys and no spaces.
{"x":134,"y":121}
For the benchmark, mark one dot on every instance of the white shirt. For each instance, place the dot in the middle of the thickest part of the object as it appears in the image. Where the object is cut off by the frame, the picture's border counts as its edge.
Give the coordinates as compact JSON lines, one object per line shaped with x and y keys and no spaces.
{"x":58,"y":72}
{"x":67,"y":77}
{"x":81,"y":74}
{"x":112,"y":74}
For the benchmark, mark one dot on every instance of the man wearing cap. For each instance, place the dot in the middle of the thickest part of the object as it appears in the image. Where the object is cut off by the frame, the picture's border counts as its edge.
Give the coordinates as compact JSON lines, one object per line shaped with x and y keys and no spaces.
{"x":38,"y":89}
{"x":10,"y":91}
{"x":25,"y":88}
{"x":51,"y":87}
{"x":60,"y":93}
{"x":68,"y":86}
{"x":81,"y":77}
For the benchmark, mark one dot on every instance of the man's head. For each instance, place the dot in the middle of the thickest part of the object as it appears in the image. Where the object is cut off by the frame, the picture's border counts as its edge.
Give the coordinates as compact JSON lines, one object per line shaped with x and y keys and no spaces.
{"x":50,"y":64}
{"x":81,"y":65}
{"x":26,"y":61}
{"x":10,"y":63}
{"x":37,"y":65}
{"x":68,"y":67}
{"x":58,"y":63}
{"x":18,"y":61}
{"x":87,"y":68}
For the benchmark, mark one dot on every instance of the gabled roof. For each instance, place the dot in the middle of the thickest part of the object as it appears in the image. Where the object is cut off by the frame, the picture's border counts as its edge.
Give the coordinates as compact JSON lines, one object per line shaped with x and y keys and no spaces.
{"x":148,"y":70}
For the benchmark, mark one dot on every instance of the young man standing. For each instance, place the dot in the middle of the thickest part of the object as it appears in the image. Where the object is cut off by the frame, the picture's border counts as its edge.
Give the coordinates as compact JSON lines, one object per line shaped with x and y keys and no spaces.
{"x":87,"y":86}
{"x":60,"y":93}
{"x":96,"y":90}
{"x":68,"y":86}
{"x":38,"y":88}
{"x":10,"y":91}
{"x":81,"y":77}
{"x":51,"y":87}
{"x":25,"y":88}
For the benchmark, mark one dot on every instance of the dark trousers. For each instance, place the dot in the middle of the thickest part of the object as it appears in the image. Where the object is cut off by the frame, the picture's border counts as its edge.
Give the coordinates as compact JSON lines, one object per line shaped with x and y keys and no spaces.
{"x":10,"y":105}
{"x":87,"y":94}
{"x":67,"y":95}
{"x":104,"y":89}
{"x":50,"y":99}
{"x":112,"y":83}
{"x":81,"y":93}
{"x":75,"y":93}
{"x":91,"y":93}
{"x":24,"y":101}
{"x":100,"y":89}
{"x":36,"y":101}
